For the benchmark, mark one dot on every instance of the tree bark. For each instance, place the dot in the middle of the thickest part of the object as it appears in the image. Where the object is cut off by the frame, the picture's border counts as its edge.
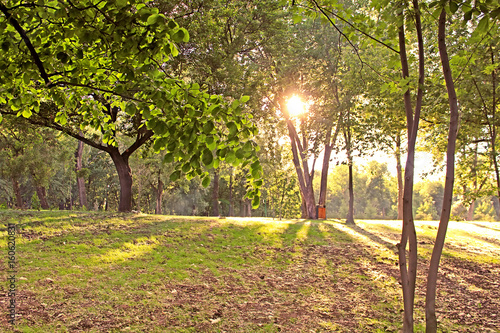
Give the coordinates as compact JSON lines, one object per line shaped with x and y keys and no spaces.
{"x":470,"y":211}
{"x":17,"y":193}
{"x":80,"y":181}
{"x":159,"y":195}
{"x":304,"y":176}
{"x":350,"y":213}
{"x":122,"y":166}
{"x":329,"y":143}
{"x":231,"y":209}
{"x":430,"y":300}
{"x":408,"y":269}
{"x":215,"y":194}
{"x":42,"y":195}
{"x":399,"y":176}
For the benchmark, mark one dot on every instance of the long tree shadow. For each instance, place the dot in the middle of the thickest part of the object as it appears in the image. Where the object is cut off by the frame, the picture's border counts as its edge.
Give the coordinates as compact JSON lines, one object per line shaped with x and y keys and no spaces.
{"x":483,"y":226}
{"x":373,"y":237}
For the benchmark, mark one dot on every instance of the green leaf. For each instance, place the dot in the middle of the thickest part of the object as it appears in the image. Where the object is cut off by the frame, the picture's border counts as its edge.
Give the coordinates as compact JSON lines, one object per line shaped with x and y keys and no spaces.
{"x":244,"y":99}
{"x":152,"y":19}
{"x":453,"y":7}
{"x":172,"y":24}
{"x":232,"y":128}
{"x":160,"y":128}
{"x":186,"y":168}
{"x":211,"y":144}
{"x":483,"y":24}
{"x":255,"y":202}
{"x":175,"y":175}
{"x":130,"y":109}
{"x":207,"y":157}
{"x":208,"y":127}
{"x":297,"y":18}
{"x":26,"y":113}
{"x":468,"y":16}
{"x":230,"y":157}
{"x":206,"y":181}
{"x":178,"y":37}
{"x":26,"y":78}
{"x":169,"y":158}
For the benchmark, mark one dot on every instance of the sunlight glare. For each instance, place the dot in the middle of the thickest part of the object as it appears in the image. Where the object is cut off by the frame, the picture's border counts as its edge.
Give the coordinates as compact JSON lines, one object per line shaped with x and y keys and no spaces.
{"x":295,"y":106}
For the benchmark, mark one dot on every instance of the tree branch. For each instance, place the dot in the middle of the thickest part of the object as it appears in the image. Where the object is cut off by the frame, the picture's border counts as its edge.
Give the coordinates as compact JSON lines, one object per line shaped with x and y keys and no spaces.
{"x":27,"y":41}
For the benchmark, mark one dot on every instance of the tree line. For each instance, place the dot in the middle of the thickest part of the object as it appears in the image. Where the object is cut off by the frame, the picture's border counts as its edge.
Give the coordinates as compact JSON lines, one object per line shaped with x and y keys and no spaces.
{"x":131,"y":79}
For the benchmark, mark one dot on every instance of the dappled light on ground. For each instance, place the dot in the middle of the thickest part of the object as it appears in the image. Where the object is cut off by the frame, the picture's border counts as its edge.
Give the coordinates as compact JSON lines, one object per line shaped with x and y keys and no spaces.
{"x":137,"y":272}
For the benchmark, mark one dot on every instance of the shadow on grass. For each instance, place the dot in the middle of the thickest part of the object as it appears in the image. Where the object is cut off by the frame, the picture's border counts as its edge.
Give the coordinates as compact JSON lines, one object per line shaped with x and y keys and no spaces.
{"x":483,"y":226}
{"x":374,"y":238}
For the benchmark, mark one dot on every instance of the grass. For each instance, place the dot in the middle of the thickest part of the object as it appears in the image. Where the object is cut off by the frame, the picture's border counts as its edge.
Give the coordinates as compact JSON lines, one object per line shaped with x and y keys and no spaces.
{"x":105,"y":272}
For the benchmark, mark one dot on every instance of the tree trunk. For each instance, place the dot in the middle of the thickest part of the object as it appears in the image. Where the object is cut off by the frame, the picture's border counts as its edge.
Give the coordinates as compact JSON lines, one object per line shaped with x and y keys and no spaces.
{"x":350,"y":213}
{"x":430,"y":300}
{"x":304,"y":176}
{"x":125,"y":177}
{"x":324,"y":169}
{"x":347,"y":136}
{"x":408,"y":270}
{"x":399,"y":176}
{"x":470,"y":211}
{"x":215,"y":194}
{"x":231,"y":209}
{"x":17,"y":193}
{"x":248,"y":208}
{"x":41,"y":192}
{"x":80,"y":181}
{"x":139,"y":195}
{"x":159,"y":196}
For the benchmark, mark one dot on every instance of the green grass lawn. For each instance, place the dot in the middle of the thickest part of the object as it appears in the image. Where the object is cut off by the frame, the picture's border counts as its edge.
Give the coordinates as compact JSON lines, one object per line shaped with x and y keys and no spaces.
{"x":105,"y":272}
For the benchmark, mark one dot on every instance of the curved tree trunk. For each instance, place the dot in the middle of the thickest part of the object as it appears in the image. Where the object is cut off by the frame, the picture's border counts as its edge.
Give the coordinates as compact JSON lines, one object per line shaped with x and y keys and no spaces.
{"x":408,"y":268}
{"x":42,"y":195}
{"x":399,"y":176}
{"x":430,"y":299}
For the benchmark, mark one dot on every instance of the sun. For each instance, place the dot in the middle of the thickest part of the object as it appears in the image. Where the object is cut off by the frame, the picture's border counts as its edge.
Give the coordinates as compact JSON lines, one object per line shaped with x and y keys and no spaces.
{"x":295,"y":106}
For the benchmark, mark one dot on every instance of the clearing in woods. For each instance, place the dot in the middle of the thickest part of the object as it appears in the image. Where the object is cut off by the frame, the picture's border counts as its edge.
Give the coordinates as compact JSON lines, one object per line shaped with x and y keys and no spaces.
{"x":103,"y":272}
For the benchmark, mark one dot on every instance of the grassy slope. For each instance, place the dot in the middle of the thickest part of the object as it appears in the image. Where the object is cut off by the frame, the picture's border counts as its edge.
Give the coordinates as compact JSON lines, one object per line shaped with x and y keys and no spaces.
{"x":88,"y":271}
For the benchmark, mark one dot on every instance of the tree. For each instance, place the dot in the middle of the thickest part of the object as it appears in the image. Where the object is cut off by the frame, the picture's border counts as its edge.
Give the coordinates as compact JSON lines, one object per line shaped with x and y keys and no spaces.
{"x":103,"y":68}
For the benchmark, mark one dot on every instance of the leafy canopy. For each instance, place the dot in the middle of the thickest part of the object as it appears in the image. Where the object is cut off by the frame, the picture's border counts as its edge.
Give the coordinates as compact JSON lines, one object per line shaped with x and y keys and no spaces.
{"x":88,"y":55}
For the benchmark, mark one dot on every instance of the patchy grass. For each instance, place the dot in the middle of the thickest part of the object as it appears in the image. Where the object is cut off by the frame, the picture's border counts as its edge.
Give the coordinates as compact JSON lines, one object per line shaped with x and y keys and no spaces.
{"x":95,"y":272}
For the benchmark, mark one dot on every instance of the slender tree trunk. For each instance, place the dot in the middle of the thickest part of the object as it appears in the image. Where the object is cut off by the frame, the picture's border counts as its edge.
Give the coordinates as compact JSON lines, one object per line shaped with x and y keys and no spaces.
{"x":41,"y":192}
{"x":399,"y":176}
{"x":324,"y":169}
{"x":215,"y":194}
{"x":139,"y":196}
{"x":159,"y":196}
{"x":80,"y":181}
{"x":329,"y":143}
{"x":408,"y":269}
{"x":125,"y":177}
{"x":347,"y":136}
{"x":17,"y":193}
{"x":231,"y":209}
{"x":430,"y":300}
{"x":350,"y":213}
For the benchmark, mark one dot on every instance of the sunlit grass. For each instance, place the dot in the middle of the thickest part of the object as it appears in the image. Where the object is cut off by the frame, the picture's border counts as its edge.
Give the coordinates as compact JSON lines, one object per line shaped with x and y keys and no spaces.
{"x":174,"y":273}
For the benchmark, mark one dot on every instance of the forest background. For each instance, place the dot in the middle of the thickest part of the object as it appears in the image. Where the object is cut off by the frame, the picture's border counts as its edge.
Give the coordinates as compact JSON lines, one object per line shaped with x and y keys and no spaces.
{"x":271,"y":52}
